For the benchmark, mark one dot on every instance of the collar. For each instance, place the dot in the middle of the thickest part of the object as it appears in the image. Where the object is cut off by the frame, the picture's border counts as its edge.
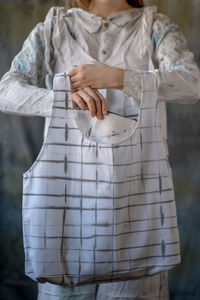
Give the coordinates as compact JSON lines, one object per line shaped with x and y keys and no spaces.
{"x":91,"y":22}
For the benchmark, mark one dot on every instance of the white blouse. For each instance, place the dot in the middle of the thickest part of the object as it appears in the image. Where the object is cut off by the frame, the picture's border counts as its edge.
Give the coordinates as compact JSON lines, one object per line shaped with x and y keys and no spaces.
{"x":177,"y":74}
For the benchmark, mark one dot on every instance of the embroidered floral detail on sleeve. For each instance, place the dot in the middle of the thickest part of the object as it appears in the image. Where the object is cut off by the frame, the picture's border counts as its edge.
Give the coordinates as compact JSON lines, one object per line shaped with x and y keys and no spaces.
{"x":20,"y":87}
{"x":171,"y":47}
{"x":29,"y":62}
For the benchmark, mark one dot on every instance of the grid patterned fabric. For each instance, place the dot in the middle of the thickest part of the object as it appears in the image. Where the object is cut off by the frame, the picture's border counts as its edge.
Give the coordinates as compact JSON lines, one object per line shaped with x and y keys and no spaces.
{"x":99,"y":213}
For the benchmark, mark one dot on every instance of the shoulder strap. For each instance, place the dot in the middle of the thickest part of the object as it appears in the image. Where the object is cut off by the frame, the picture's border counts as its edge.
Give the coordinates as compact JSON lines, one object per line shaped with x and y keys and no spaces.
{"x":150,"y":13}
{"x":49,"y":24}
{"x":148,"y":18}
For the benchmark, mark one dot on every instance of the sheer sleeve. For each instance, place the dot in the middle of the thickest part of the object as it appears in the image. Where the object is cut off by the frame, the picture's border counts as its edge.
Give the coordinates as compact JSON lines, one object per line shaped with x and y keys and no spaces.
{"x":177,"y":74}
{"x":20,"y":91}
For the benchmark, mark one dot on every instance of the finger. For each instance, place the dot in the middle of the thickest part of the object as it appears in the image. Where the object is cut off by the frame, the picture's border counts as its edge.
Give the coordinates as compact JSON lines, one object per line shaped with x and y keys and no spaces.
{"x":75,"y":105}
{"x":76,"y":84}
{"x":93,"y":94}
{"x":79,"y":101}
{"x":74,"y":77}
{"x":74,"y":90}
{"x":90,"y":102}
{"x":103,"y":103}
{"x":73,"y":71}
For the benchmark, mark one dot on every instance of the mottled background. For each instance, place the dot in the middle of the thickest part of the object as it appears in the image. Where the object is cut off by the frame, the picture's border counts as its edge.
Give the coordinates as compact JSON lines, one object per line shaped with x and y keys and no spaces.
{"x":21,"y":139}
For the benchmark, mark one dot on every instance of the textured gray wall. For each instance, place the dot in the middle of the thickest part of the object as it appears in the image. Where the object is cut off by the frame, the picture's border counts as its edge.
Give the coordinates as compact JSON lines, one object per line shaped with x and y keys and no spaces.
{"x":21,"y":139}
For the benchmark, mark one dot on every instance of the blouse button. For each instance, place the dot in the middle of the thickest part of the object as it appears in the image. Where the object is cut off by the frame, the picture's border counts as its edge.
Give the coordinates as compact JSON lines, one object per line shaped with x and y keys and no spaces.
{"x":106,"y":25}
{"x":103,"y":52}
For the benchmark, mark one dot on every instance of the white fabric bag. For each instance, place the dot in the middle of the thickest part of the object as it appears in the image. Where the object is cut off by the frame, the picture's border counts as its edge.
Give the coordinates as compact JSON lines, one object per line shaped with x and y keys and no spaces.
{"x":99,"y":211}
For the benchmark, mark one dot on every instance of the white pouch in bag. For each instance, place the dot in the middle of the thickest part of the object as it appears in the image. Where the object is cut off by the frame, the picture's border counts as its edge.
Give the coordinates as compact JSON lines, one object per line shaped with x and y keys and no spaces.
{"x":112,"y":129}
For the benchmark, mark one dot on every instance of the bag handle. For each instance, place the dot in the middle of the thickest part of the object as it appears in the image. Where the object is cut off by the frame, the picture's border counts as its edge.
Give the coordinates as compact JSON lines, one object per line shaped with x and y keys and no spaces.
{"x":58,"y":12}
{"x":62,"y":89}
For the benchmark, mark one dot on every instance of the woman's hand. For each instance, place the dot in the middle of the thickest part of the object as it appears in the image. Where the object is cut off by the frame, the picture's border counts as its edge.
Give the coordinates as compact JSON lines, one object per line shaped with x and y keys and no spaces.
{"x":96,"y":75}
{"x":91,"y":99}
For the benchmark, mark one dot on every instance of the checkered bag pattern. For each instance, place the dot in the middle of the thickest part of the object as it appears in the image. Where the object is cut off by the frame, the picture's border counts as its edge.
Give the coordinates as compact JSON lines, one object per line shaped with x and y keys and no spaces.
{"x":97,"y":213}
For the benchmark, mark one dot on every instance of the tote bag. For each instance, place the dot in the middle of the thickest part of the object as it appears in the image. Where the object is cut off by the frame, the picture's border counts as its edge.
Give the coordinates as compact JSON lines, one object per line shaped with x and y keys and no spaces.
{"x":96,"y":208}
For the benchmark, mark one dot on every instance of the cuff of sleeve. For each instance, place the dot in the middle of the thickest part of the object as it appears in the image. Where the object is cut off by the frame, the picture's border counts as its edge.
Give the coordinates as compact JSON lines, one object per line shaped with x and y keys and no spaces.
{"x":132,"y":84}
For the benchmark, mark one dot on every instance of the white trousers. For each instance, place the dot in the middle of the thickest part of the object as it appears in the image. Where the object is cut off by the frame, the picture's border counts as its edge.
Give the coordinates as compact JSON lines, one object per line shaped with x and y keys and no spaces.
{"x":151,"y":288}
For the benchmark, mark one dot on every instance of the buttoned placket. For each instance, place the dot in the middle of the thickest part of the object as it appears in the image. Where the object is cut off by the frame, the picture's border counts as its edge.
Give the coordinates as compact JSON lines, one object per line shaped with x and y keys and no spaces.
{"x":105,"y":48}
{"x":93,"y":23}
{"x":104,"y":51}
